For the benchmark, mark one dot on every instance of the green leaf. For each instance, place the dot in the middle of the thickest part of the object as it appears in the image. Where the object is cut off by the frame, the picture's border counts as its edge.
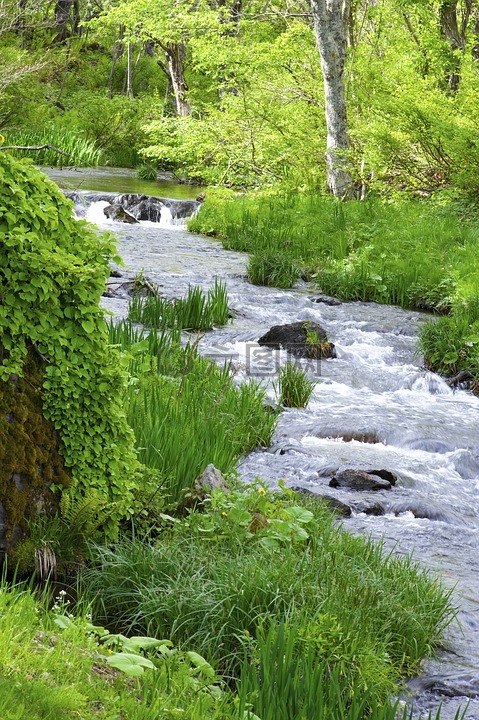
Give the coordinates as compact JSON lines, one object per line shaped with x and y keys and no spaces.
{"x":269,"y":543}
{"x":88,"y":326}
{"x":139,"y":642}
{"x":451,"y":357}
{"x":300,"y":514}
{"x":201,"y":664}
{"x":239,"y":516}
{"x":62,"y":621}
{"x":130,"y":664}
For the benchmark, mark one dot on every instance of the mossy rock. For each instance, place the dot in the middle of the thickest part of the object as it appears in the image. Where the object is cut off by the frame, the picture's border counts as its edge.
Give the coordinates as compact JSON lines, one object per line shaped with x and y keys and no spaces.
{"x":29,"y":459}
{"x":304,"y":339}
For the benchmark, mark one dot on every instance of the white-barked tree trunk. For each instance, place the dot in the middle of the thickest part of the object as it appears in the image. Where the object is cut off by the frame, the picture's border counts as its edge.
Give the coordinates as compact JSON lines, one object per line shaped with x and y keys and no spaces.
{"x":331,"y":28}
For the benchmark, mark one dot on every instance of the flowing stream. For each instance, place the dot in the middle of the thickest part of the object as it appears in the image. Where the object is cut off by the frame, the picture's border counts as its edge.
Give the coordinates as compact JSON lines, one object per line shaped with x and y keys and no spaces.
{"x":372,"y":405}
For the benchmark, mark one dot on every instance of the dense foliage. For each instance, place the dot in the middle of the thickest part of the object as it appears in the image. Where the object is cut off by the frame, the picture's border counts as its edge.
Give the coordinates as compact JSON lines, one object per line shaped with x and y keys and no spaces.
{"x":52,"y":275}
{"x":232,"y":93}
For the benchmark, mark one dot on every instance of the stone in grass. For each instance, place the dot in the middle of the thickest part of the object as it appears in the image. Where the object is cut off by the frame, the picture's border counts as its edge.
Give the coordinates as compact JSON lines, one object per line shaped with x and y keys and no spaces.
{"x":354,"y":479}
{"x":304,"y":339}
{"x":210,"y":480}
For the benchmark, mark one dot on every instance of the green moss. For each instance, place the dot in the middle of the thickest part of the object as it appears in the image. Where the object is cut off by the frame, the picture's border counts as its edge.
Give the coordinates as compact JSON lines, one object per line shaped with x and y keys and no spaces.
{"x":29,"y":458}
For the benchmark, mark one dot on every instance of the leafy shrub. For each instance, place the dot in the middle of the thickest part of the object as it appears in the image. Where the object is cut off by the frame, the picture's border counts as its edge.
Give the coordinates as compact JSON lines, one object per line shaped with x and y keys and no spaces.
{"x":52,"y":276}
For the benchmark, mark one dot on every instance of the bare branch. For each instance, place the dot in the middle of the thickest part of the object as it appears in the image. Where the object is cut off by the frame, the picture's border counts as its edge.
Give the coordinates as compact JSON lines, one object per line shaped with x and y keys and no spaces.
{"x":35,"y":147}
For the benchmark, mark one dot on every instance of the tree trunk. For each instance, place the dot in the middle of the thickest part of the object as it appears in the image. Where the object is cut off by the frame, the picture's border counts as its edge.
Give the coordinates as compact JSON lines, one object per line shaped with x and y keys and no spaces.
{"x":129,"y":89}
{"x":62,"y":16}
{"x":330,"y":19}
{"x":454,"y":24}
{"x":175,"y":53}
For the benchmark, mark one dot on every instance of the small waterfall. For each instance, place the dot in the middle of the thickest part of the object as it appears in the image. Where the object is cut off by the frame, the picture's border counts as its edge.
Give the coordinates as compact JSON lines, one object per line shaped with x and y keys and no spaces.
{"x":165,"y":212}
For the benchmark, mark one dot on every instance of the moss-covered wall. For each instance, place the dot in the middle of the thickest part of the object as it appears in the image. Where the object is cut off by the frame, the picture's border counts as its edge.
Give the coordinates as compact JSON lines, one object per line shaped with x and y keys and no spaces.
{"x":29,"y":460}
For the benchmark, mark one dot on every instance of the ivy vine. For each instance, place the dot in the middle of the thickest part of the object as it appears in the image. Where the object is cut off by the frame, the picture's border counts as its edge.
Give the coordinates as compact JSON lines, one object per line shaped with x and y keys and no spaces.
{"x":52,"y":274}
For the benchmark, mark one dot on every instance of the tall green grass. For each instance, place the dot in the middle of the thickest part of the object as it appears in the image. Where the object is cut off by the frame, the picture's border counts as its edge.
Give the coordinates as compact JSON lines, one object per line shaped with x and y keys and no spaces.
{"x":186,"y":422}
{"x":196,"y":311}
{"x":80,"y":151}
{"x":186,"y":412}
{"x":287,"y":681}
{"x":205,"y":585}
{"x":295,"y":388}
{"x":409,"y":253}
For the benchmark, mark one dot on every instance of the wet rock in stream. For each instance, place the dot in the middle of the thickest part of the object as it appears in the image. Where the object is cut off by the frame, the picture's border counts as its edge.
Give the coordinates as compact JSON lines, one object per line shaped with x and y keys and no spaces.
{"x":119,"y":214}
{"x":355,"y":479}
{"x":125,"y":287}
{"x":339,"y":508}
{"x":326,"y":300}
{"x":370,"y":507}
{"x":303,"y":339}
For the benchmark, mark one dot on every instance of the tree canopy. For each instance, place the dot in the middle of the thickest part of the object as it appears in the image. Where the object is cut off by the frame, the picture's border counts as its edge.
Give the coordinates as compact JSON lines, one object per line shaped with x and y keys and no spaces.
{"x":235,"y":92}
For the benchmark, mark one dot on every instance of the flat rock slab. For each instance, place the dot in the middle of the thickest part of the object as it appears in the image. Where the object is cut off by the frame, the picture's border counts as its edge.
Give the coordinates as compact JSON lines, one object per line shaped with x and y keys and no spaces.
{"x":304,"y":339}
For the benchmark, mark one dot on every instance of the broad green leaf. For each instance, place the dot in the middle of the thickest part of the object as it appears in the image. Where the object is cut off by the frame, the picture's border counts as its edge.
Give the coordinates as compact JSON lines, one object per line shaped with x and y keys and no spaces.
{"x":300,"y":514}
{"x":138,"y":642}
{"x":199,"y":662}
{"x":129,"y":663}
{"x":62,"y":621}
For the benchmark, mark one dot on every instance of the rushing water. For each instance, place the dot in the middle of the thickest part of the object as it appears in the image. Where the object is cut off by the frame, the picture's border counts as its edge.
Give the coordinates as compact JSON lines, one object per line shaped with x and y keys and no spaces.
{"x":373,"y":405}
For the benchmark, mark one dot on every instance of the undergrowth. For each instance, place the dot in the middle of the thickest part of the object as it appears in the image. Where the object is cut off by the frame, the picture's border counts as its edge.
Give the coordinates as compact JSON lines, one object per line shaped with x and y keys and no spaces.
{"x":221,"y":580}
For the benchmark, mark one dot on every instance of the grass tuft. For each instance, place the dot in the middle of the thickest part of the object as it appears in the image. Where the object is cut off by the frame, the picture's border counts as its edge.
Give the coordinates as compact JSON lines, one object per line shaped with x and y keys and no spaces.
{"x":295,"y":389}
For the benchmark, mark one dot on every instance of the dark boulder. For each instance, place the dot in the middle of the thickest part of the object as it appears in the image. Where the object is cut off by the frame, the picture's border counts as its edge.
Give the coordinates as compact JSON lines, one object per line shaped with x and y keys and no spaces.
{"x":148,"y":207}
{"x":333,"y":504}
{"x":326,"y":300}
{"x":370,"y":507}
{"x":119,"y":214}
{"x":361,"y":480}
{"x":422,"y":511}
{"x":304,"y":339}
{"x":142,"y":207}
